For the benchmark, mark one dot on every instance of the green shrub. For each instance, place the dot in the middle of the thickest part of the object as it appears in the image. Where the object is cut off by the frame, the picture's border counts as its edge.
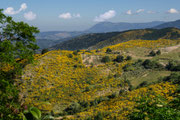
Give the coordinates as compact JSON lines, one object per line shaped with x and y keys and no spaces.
{"x":75,"y":52}
{"x":129,"y":84}
{"x":154,"y":109}
{"x":44,"y":51}
{"x":148,"y":64}
{"x":143,"y":84}
{"x":158,"y":52}
{"x":129,"y":58}
{"x":108,"y":50}
{"x":76,"y":59}
{"x":105,"y":59}
{"x":113,"y":95}
{"x":97,"y":50}
{"x":173,"y":66}
{"x":174,"y":78}
{"x":99,"y":116}
{"x":119,"y":58}
{"x":152,"y":53}
{"x":84,"y":104}
{"x":70,"y":56}
{"x":122,"y":91}
{"x":73,"y":108}
{"x":128,"y":67}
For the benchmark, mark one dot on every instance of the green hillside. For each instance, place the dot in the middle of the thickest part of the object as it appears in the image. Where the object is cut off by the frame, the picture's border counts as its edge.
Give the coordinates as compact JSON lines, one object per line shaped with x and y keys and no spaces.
{"x":99,"y":83}
{"x":100,"y":40}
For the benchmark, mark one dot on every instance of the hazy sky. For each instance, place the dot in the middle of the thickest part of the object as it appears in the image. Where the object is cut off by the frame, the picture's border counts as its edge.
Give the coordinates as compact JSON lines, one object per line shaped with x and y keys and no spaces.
{"x":77,"y":15}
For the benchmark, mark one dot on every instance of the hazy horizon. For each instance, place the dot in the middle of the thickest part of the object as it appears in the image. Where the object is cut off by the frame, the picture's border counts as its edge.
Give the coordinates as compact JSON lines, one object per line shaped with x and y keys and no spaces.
{"x":67,"y":15}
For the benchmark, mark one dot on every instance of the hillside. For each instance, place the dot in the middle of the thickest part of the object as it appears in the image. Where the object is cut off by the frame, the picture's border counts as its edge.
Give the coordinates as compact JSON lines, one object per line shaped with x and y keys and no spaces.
{"x":175,"y":24}
{"x":82,"y":84}
{"x":51,"y":38}
{"x":122,"y":26}
{"x":100,"y":40}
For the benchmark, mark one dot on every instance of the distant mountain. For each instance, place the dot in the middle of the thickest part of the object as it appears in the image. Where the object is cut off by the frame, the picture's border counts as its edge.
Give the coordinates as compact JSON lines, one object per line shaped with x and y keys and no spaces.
{"x":122,"y":26}
{"x":48,"y":39}
{"x":100,"y":40}
{"x":169,"y":24}
{"x":56,"y":35}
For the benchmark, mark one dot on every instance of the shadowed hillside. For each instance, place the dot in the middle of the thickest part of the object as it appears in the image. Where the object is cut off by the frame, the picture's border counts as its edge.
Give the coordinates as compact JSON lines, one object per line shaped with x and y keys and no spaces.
{"x":100,"y":40}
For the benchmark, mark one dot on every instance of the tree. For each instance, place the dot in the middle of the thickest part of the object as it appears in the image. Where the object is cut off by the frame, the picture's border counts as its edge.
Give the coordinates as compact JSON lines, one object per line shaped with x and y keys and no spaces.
{"x":17,"y":40}
{"x":17,"y":48}
{"x":105,"y":59}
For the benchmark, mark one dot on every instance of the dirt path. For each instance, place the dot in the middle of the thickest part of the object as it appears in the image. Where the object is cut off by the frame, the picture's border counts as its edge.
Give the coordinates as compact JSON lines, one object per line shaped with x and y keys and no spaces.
{"x":163,"y":50}
{"x":169,"y":49}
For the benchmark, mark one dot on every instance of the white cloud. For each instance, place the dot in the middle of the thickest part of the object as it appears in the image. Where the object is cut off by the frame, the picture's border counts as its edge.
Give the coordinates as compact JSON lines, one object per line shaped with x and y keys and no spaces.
{"x":77,"y":15}
{"x":151,"y":12}
{"x":23,"y":7}
{"x":107,"y":15}
{"x":30,"y":16}
{"x":69,"y":15}
{"x":129,"y":12}
{"x":140,"y":10}
{"x":11,"y":11}
{"x":65,"y":15}
{"x":173,"y":11}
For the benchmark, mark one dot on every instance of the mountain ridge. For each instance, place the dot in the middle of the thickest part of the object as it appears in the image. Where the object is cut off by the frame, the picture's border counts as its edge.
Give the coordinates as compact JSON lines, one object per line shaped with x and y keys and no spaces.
{"x":100,"y":40}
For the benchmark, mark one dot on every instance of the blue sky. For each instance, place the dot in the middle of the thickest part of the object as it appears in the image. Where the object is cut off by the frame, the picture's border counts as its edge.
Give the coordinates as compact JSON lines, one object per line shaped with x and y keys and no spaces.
{"x":75,"y":15}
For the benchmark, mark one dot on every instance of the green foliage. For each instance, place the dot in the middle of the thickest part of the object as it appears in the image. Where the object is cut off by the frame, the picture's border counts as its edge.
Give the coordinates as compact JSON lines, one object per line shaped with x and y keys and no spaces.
{"x":143,"y":84}
{"x":152,"y":53}
{"x":113,"y":95}
{"x":70,"y":55}
{"x":73,"y":108}
{"x":173,"y":66}
{"x":44,"y":51}
{"x":105,"y":59}
{"x":17,"y":43}
{"x":148,"y":64}
{"x":174,"y":78}
{"x":119,"y":58}
{"x":128,"y":67}
{"x":75,"y":52}
{"x":129,"y":58}
{"x":99,"y":116}
{"x":17,"y":40}
{"x":32,"y":114}
{"x":154,"y":109}
{"x":108,"y":50}
{"x":129,"y":84}
{"x":158,"y":52}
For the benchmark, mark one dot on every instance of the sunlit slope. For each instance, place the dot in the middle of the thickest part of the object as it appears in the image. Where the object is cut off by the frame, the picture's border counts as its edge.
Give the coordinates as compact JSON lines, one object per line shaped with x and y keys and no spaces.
{"x":59,"y":78}
{"x":119,"y":107}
